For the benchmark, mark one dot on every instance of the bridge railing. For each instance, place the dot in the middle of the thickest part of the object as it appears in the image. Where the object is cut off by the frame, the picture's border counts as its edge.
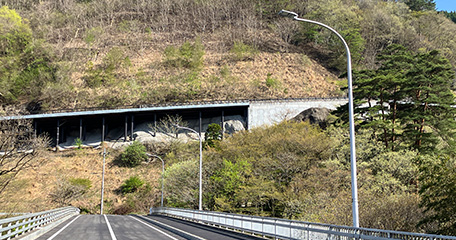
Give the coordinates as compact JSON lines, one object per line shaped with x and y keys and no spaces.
{"x":290,"y":229}
{"x":16,"y":226}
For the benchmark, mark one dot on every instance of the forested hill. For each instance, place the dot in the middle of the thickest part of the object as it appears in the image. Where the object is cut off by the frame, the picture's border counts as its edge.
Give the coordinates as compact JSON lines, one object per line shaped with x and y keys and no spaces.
{"x":109,"y":53}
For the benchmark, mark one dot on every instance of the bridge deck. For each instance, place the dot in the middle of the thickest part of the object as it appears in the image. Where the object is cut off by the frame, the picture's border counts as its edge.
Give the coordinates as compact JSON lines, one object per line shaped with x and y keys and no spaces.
{"x":106,"y":227}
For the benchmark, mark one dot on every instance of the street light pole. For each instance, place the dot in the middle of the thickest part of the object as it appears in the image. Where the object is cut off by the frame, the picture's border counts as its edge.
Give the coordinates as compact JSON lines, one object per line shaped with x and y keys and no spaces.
{"x":200,"y":199}
{"x":163,"y":173}
{"x":294,"y":16}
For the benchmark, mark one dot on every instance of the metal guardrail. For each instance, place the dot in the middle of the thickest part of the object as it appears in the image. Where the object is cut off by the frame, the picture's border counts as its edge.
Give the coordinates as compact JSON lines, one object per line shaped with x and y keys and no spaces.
{"x":16,"y":226}
{"x":289,"y":229}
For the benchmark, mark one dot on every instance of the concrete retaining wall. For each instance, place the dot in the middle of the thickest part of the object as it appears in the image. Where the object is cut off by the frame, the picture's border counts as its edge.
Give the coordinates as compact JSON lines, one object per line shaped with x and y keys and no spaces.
{"x":271,"y":112}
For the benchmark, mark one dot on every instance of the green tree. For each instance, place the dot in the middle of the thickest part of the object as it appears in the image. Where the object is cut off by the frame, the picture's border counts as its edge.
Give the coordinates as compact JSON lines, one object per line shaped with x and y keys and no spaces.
{"x":381,"y":90}
{"x":181,"y":184}
{"x":429,"y":115}
{"x":451,"y":15}
{"x":421,"y":5}
{"x":342,"y":16}
{"x":25,"y":64}
{"x":409,"y":99}
{"x":228,"y":181}
{"x":213,"y":135}
{"x":438,"y":192}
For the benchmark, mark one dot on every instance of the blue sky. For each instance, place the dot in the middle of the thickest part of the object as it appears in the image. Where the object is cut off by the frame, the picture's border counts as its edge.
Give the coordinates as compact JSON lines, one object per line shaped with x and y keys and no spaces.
{"x":447,"y":5}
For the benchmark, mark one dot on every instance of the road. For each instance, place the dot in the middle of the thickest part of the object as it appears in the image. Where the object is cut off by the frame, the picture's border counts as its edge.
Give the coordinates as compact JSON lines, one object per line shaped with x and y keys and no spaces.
{"x":132,"y":227}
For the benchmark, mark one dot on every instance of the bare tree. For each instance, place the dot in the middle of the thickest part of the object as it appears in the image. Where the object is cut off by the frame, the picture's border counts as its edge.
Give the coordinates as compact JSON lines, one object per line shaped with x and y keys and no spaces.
{"x":168,"y":125}
{"x":20,"y":149}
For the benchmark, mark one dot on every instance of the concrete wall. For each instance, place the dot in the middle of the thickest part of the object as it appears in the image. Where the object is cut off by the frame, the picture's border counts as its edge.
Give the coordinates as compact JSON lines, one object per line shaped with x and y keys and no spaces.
{"x":271,"y":112}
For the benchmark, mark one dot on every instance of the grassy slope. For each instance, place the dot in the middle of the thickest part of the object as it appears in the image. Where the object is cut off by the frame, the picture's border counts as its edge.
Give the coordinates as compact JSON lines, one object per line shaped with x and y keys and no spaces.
{"x":30,"y":191}
{"x":148,"y":80}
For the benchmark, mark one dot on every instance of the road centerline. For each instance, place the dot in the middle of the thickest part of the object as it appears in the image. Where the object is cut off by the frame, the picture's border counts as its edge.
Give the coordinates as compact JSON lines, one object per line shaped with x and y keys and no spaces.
{"x":113,"y":236}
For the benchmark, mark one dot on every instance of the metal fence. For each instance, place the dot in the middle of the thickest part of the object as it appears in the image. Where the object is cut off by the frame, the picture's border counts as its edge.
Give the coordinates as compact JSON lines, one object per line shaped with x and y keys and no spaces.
{"x":16,"y":226}
{"x":289,"y":229}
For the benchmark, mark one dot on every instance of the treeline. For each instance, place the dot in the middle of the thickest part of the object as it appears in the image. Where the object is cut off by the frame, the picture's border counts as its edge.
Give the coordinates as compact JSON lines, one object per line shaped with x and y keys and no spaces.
{"x":451,"y":15}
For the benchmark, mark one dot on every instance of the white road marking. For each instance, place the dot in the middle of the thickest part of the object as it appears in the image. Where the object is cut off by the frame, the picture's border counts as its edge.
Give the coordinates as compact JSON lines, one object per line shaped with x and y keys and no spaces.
{"x":113,"y":237}
{"x":168,"y":226}
{"x":156,"y":229}
{"x":58,"y":232}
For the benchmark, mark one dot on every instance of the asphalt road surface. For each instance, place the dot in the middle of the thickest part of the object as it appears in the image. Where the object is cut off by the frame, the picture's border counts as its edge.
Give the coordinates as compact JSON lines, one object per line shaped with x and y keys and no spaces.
{"x":132,"y":227}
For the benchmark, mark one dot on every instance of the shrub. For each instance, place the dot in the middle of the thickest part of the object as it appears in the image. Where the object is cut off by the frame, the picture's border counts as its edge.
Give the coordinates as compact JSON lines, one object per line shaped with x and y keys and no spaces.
{"x":133,"y":155}
{"x":70,"y":189}
{"x":105,"y":73}
{"x":188,"y":55}
{"x":78,"y":143}
{"x":272,"y":82}
{"x":131,"y":185}
{"x":243,"y":52}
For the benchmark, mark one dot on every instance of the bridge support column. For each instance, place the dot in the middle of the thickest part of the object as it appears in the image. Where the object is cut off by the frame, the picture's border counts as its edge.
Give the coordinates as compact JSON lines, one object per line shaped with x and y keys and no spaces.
{"x":35,"y":125}
{"x":223,"y":124}
{"x":103,"y":130}
{"x":132,"y":126}
{"x":155,"y":124}
{"x":58,"y":135}
{"x":246,"y":116}
{"x":80,"y":129}
{"x":200,"y":123}
{"x":126,"y":128}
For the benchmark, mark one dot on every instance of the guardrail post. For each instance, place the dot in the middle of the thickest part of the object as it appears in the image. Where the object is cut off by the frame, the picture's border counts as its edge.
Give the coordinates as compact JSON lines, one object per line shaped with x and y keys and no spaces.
{"x":308,"y":231}
{"x":9,"y":231}
{"x":242,"y":224}
{"x":329,"y":234}
{"x":275,"y":228}
{"x":262,"y":226}
{"x":289,"y":231}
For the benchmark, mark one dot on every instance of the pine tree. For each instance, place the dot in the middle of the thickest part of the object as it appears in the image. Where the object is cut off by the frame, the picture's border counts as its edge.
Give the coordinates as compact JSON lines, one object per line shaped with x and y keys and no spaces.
{"x":430,"y":112}
{"x":420,"y":5}
{"x":409,"y":101}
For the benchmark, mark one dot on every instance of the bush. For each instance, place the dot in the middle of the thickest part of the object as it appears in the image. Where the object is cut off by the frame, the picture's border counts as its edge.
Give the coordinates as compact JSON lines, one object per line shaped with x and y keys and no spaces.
{"x":78,"y":143}
{"x":70,"y":189}
{"x":242,"y":52}
{"x":188,"y":55}
{"x":133,"y":155}
{"x":131,"y":185}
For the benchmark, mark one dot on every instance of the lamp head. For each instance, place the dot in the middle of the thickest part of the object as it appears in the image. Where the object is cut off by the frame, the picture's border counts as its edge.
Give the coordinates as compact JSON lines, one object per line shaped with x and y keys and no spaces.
{"x":289,"y":14}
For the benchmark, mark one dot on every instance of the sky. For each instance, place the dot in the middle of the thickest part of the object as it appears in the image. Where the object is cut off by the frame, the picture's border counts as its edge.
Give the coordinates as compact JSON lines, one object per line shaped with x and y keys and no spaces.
{"x":445,"y":5}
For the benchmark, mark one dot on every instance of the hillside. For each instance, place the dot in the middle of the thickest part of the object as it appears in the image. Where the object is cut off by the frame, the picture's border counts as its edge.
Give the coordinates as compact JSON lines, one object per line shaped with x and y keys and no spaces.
{"x":98,"y":53}
{"x":34,"y":189}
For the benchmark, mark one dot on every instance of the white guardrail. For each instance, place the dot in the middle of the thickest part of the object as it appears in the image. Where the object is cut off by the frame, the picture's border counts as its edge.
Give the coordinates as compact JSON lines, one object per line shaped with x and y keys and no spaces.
{"x":16,"y":226}
{"x":289,"y":229}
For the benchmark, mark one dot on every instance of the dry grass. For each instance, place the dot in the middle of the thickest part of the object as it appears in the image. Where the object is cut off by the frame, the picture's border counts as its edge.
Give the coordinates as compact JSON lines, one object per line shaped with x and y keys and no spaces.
{"x":30,"y":191}
{"x":148,"y":80}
